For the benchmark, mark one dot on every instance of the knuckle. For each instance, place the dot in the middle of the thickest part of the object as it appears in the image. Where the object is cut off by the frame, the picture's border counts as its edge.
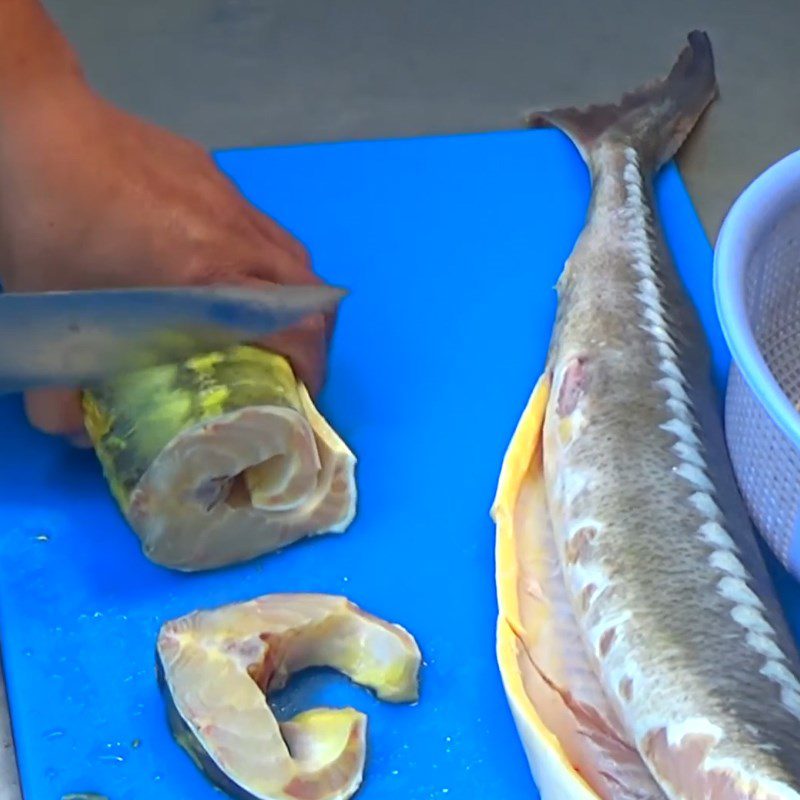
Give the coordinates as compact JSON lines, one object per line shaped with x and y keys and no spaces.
{"x":303,"y":256}
{"x":200,"y":268}
{"x":315,"y":325}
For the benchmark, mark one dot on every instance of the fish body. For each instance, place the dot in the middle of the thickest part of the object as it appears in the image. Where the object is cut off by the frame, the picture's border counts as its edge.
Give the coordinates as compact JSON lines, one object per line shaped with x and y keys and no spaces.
{"x":658,"y":559}
{"x":570,"y":699}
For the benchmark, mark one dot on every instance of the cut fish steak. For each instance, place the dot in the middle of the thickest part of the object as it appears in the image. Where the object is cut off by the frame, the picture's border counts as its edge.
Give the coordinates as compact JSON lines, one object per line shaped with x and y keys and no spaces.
{"x":216,"y":666}
{"x":220,"y":459}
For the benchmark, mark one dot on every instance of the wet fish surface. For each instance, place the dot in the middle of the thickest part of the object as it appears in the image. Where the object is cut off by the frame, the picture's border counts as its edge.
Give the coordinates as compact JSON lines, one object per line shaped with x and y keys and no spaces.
{"x":659,"y":559}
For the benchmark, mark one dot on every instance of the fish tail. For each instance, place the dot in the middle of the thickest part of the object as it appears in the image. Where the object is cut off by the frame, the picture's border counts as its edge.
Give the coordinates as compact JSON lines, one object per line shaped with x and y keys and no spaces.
{"x":655,"y":119}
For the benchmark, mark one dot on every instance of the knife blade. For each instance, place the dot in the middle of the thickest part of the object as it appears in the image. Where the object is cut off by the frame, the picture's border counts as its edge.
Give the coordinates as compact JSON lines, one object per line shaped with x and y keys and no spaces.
{"x":80,"y":338}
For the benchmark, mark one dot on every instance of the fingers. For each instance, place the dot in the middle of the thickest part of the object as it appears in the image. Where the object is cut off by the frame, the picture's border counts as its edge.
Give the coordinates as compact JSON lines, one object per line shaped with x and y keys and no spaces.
{"x":305,"y":345}
{"x":270,"y":229}
{"x":242,"y":219}
{"x":57,"y":412}
{"x":236,"y":259}
{"x":279,"y":261}
{"x":298,"y":273}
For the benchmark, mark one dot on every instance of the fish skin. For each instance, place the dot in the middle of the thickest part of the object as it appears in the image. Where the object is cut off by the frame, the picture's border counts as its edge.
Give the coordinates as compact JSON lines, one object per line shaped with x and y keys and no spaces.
{"x":578,"y":711}
{"x":660,"y":561}
{"x":220,"y":459}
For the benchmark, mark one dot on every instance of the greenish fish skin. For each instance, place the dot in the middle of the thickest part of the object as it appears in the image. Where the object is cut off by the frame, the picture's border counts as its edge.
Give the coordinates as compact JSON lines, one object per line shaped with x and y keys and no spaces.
{"x":220,"y":459}
{"x":133,"y":418}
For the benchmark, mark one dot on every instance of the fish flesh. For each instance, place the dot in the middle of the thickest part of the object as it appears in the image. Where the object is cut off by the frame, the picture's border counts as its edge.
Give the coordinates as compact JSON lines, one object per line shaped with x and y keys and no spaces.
{"x":216,"y":666}
{"x":670,"y":598}
{"x":220,"y":459}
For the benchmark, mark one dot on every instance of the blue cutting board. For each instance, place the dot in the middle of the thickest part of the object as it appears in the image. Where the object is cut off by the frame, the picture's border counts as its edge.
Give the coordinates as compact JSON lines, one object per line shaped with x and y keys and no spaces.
{"x":450,"y":247}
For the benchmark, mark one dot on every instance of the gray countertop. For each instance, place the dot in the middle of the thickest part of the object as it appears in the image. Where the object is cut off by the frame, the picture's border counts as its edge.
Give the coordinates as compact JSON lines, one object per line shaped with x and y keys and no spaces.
{"x":254,"y":72}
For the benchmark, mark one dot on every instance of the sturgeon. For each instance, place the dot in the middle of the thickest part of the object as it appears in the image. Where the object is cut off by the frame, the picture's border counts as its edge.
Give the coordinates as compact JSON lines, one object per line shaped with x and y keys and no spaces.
{"x":673,"y":672}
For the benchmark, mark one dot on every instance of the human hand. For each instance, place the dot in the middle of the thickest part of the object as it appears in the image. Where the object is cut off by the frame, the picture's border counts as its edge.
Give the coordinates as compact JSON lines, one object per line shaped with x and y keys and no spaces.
{"x":96,"y":198}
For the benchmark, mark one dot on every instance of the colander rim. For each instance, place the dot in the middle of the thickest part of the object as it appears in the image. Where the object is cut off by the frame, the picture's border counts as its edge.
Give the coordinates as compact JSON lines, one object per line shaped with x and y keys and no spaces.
{"x":748,"y":219}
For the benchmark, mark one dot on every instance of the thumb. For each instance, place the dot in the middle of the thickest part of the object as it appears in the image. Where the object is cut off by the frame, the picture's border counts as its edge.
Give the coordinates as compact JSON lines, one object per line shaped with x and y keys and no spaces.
{"x":57,"y":412}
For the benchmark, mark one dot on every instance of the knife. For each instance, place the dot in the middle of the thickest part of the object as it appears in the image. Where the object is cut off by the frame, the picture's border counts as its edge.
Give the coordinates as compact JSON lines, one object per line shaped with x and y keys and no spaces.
{"x":80,"y":338}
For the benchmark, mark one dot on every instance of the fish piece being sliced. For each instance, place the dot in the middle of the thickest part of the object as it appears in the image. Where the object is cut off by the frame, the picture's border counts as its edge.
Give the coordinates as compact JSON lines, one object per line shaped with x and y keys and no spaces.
{"x":220,"y":459}
{"x":675,"y":608}
{"x":215,"y":668}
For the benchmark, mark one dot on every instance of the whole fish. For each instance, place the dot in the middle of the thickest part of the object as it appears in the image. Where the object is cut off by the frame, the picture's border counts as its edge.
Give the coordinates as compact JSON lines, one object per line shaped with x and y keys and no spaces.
{"x":659,"y":561}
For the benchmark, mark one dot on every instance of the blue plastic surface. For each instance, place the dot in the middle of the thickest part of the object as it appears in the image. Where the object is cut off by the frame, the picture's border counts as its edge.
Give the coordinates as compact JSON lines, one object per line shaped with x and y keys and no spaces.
{"x":450,"y":247}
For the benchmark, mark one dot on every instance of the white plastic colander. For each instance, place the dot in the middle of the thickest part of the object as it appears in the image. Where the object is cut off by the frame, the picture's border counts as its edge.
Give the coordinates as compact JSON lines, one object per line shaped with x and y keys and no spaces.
{"x":757,"y":289}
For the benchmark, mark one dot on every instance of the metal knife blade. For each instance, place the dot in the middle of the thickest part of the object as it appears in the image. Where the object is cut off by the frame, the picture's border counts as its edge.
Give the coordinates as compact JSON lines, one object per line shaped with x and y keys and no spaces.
{"x":84,"y":337}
